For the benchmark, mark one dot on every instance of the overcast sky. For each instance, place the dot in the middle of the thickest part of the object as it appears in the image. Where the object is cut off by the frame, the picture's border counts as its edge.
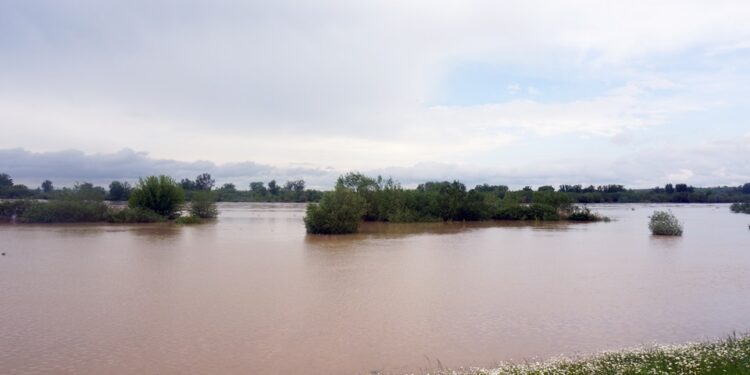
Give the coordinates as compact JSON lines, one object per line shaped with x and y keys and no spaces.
{"x":529,"y":92}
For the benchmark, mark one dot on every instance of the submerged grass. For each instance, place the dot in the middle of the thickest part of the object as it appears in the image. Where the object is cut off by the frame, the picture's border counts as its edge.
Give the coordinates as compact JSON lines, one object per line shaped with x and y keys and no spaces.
{"x":728,"y":356}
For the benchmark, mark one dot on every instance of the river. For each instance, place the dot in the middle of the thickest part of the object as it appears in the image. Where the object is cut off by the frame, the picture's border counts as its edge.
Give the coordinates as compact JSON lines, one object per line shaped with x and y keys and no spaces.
{"x":251,"y":293}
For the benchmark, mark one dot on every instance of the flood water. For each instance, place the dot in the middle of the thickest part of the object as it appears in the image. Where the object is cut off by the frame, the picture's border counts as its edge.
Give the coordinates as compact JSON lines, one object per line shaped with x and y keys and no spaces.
{"x":252,"y":293}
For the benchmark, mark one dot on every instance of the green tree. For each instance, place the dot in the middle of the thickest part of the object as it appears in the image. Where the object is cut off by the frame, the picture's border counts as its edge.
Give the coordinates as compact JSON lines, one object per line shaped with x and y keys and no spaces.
{"x":119,"y":191}
{"x":203,"y":205}
{"x":273,"y":188}
{"x":258,"y":188}
{"x":47,"y":186}
{"x":339,"y":211}
{"x":204,"y":182}
{"x":160,"y":194}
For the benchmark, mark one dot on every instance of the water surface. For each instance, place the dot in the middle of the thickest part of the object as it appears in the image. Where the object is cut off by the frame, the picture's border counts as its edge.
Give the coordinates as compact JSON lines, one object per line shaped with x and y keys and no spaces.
{"x":251,"y":293}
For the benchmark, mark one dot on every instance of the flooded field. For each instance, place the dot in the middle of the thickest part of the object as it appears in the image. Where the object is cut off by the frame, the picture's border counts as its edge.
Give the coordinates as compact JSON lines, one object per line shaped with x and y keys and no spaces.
{"x":252,"y":293}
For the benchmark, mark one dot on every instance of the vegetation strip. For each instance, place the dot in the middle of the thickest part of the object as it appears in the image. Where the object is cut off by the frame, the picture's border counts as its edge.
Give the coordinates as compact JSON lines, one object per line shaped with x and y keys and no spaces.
{"x":728,"y":356}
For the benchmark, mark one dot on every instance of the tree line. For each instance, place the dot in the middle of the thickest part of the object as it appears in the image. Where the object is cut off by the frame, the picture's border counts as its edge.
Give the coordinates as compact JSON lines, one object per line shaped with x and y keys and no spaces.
{"x":291,"y":191}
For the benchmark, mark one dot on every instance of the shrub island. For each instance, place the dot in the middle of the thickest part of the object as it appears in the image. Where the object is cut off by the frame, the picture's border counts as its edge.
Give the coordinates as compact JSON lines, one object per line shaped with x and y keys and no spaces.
{"x":359,"y":198}
{"x":153,"y":199}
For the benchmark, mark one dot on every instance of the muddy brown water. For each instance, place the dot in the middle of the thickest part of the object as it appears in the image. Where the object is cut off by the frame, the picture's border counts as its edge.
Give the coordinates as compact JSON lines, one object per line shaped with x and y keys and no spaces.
{"x":251,"y":293}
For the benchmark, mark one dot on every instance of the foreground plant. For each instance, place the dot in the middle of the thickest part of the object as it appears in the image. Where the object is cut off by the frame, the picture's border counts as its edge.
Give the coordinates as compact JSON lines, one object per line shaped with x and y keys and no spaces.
{"x":729,"y":356}
{"x":664,"y":223}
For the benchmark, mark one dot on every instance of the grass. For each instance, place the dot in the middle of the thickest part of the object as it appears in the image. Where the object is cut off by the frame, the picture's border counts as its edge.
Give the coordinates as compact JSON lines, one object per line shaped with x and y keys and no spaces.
{"x":727,"y":356}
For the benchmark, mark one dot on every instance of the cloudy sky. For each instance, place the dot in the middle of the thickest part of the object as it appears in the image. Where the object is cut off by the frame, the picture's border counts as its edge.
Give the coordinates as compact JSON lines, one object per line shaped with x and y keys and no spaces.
{"x":514,"y":92}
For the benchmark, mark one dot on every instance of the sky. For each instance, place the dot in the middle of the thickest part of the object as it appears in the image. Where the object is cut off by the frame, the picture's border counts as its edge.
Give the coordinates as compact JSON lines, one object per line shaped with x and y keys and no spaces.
{"x":638,"y":93}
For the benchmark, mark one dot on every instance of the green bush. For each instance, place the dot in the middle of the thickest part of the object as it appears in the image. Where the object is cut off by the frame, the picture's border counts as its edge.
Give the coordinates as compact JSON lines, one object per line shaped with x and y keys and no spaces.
{"x":203,"y":205}
{"x":338,"y":212}
{"x":526,"y":212}
{"x":10,"y":210}
{"x":664,"y":223}
{"x":738,"y":207}
{"x":584,"y":214}
{"x":188,"y":220}
{"x":64,"y":211}
{"x":133,"y":215}
{"x":160,"y":194}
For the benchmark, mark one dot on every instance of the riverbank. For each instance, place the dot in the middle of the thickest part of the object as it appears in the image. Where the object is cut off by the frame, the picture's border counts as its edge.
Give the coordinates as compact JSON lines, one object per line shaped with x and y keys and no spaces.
{"x":727,"y":356}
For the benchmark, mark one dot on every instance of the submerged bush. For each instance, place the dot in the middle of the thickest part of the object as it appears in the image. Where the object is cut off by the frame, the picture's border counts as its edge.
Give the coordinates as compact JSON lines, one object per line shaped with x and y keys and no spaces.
{"x":339,"y":211}
{"x":526,"y":212}
{"x":738,"y":207}
{"x":133,"y":215}
{"x":64,"y":211}
{"x":664,"y":223}
{"x":188,"y":220}
{"x":159,"y":194}
{"x":203,"y":205}
{"x":584,"y":214}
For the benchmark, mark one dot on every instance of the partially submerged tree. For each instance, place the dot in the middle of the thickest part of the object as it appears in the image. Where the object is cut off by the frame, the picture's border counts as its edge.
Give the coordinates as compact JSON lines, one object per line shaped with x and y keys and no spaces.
{"x":339,"y":212}
{"x":160,"y":194}
{"x":203,"y":205}
{"x":664,"y":223}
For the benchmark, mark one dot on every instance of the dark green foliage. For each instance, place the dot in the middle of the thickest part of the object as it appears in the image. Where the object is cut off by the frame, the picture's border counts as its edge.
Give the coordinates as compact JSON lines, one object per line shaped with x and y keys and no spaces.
{"x":738,"y":207}
{"x":204,"y":182}
{"x":273,"y":188}
{"x":187,"y":184}
{"x":64,"y":211}
{"x":526,"y":212}
{"x":10,"y":210}
{"x":119,"y":191}
{"x":745,"y":188}
{"x":339,"y":212}
{"x":160,"y":194}
{"x":133,"y":215}
{"x":203,"y":205}
{"x":47,"y":186}
{"x":81,"y":192}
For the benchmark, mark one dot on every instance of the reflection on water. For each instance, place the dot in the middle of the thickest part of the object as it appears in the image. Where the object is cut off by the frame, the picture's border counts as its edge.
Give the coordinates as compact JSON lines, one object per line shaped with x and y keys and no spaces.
{"x":251,"y":293}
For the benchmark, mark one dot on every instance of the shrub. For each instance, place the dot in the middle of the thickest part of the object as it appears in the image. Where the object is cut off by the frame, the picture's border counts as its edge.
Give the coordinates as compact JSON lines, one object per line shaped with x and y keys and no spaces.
{"x":664,"y":223}
{"x":338,"y":212}
{"x":526,"y":212}
{"x":10,"y":210}
{"x":133,"y":215}
{"x":188,"y":220}
{"x":64,"y":211}
{"x":203,"y":205}
{"x":160,"y":194}
{"x":584,"y":214}
{"x":738,"y":207}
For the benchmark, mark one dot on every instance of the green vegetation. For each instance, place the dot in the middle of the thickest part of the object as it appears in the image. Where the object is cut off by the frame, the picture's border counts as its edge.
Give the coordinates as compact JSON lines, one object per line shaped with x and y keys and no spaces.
{"x":65,"y":211}
{"x":729,"y":356}
{"x":338,"y":212}
{"x":664,"y":223}
{"x":385,"y":200}
{"x":203,"y":205}
{"x":740,"y":207}
{"x":133,"y":215}
{"x":160,"y":194}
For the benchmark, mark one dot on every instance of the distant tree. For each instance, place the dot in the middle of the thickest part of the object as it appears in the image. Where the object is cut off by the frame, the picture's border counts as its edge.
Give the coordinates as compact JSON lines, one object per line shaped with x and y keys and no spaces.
{"x":668,"y":188}
{"x":296,"y":185}
{"x":19,"y":191}
{"x":160,"y":194}
{"x":5,"y":182}
{"x":204,"y":182}
{"x":546,"y":188}
{"x":683,"y":188}
{"x":187,"y":184}
{"x":47,"y":186}
{"x":746,"y":188}
{"x":258,"y":188}
{"x":229,"y":187}
{"x":273,"y":188}
{"x":527,"y":188}
{"x":86,"y":191}
{"x":119,"y":191}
